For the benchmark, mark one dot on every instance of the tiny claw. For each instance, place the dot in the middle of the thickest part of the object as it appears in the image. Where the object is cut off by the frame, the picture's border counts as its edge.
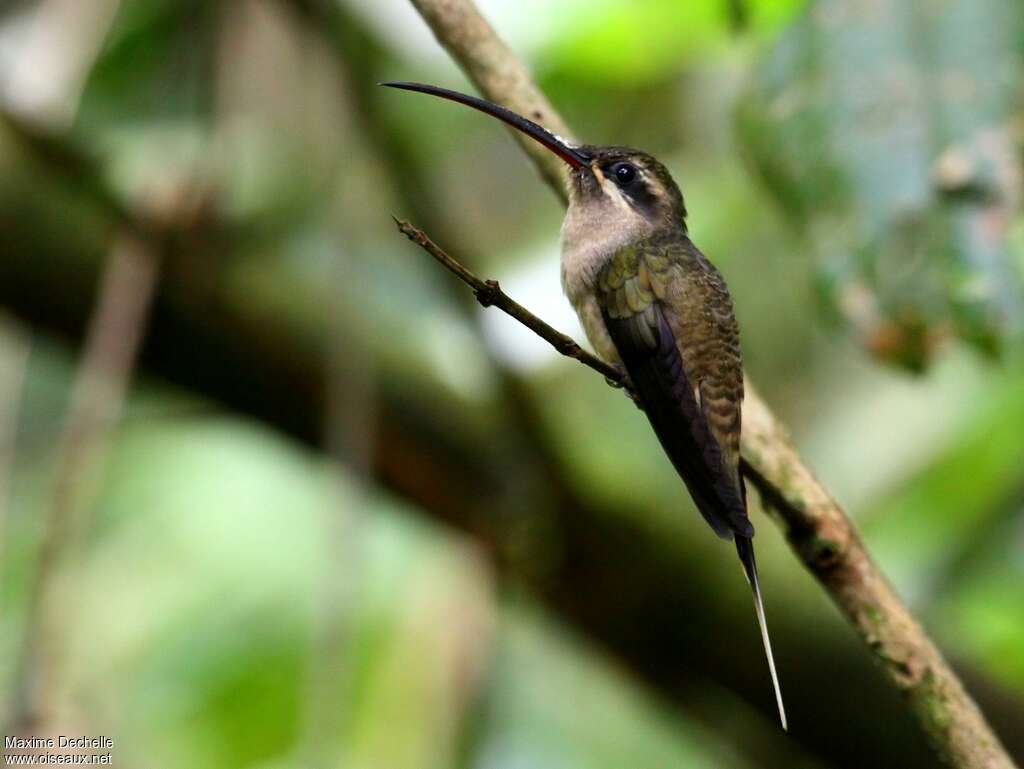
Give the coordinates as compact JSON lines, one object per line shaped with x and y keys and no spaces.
{"x":625,"y":383}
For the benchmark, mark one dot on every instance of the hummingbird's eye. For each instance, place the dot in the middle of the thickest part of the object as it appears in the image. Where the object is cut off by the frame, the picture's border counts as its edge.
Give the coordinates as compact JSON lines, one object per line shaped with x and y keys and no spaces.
{"x":624,"y":173}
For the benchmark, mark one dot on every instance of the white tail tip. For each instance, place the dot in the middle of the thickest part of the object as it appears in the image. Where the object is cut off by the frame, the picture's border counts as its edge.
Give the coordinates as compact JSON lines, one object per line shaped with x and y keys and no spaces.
{"x":759,"y":608}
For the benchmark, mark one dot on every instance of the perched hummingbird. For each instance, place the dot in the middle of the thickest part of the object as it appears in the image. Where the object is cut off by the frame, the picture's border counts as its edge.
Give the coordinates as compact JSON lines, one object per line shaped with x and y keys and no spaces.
{"x":654,"y":306}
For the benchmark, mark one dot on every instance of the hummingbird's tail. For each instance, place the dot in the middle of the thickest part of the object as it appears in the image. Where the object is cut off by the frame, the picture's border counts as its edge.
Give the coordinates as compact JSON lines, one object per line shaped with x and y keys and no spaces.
{"x":745,"y":550}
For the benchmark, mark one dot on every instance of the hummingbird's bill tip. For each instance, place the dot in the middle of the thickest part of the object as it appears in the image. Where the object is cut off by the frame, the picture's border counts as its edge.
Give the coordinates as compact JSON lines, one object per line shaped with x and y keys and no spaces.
{"x":408,"y":85}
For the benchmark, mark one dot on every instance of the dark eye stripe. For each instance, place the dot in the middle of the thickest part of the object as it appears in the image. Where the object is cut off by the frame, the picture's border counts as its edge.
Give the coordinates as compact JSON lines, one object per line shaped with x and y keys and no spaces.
{"x":642,"y":193}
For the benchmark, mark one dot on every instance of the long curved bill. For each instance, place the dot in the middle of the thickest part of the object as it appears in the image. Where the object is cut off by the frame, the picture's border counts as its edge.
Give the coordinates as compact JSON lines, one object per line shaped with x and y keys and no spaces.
{"x":570,"y":155}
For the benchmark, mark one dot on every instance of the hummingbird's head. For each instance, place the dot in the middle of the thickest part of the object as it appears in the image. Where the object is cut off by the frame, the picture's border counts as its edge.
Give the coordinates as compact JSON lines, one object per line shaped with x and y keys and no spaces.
{"x":629,"y":180}
{"x":608,"y":183}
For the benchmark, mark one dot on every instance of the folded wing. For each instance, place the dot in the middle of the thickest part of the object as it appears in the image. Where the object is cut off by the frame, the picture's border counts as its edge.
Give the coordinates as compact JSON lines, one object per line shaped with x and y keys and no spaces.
{"x":636,"y":321}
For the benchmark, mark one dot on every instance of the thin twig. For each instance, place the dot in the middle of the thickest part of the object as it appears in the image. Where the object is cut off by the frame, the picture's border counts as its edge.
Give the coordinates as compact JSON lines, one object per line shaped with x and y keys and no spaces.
{"x":489,"y":294}
{"x":494,"y":69}
{"x":818,"y":529}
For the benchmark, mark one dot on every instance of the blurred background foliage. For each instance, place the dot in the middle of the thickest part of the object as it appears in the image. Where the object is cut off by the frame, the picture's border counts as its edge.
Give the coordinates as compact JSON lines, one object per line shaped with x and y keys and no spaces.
{"x":344,"y":517}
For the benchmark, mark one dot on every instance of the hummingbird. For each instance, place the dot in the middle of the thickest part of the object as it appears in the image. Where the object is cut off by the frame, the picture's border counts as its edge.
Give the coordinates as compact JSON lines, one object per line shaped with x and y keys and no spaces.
{"x":654,"y":307}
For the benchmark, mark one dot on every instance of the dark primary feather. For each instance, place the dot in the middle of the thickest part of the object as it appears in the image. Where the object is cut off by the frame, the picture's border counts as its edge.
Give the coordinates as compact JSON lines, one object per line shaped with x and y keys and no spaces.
{"x":636,"y":318}
{"x":669,"y":400}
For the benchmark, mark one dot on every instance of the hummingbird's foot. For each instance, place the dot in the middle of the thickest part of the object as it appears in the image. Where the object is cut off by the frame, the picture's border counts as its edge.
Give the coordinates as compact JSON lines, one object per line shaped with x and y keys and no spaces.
{"x":624,"y":383}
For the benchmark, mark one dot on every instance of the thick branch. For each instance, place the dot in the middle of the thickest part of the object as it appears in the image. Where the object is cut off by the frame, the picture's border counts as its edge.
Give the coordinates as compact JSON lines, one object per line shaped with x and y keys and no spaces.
{"x":816,"y":526}
{"x":494,"y":69}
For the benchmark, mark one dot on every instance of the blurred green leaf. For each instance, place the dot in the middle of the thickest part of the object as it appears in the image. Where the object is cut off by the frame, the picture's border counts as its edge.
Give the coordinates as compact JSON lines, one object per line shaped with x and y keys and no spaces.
{"x":204,"y":651}
{"x":631,"y":41}
{"x":958,"y":496}
{"x":982,"y":617}
{"x":556,"y":704}
{"x":157,"y":64}
{"x":884,"y":132}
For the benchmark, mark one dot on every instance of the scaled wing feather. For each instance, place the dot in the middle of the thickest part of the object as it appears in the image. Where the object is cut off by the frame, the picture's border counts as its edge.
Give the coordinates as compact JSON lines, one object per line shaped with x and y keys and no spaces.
{"x":650,"y":353}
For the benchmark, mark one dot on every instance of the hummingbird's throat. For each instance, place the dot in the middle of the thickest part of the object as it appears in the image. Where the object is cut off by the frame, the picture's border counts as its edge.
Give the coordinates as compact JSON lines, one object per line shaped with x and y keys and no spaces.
{"x":592,"y":189}
{"x":585,"y":182}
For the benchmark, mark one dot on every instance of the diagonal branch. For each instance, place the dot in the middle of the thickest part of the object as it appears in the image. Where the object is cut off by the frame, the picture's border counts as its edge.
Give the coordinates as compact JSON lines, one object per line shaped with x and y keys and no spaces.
{"x":493,"y":68}
{"x":817,"y":527}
